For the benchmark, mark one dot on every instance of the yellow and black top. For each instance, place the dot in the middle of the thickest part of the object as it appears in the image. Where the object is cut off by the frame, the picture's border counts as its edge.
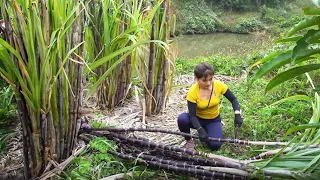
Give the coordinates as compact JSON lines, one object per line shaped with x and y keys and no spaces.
{"x":203,"y":110}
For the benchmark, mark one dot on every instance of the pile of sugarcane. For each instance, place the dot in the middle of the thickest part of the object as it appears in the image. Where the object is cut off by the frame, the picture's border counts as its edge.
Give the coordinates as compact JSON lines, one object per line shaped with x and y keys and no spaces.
{"x":194,"y":163}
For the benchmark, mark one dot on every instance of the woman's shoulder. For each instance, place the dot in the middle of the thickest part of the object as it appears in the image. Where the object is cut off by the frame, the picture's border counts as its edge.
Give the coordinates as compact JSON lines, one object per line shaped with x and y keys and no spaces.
{"x":220,"y":86}
{"x":194,"y":87}
{"x":217,"y":82}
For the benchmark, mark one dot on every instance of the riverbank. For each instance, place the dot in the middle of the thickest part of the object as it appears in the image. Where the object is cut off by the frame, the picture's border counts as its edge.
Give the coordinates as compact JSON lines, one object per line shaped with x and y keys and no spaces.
{"x":202,"y":17}
{"x":221,"y":44}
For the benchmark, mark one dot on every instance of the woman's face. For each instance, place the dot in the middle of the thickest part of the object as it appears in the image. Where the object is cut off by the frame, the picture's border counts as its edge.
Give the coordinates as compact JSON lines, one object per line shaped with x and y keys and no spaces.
{"x":205,"y":82}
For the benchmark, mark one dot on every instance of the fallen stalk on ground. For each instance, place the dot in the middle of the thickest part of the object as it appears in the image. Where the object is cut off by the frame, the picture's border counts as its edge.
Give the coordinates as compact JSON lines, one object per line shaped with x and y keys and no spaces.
{"x":178,"y":159}
{"x":237,"y":141}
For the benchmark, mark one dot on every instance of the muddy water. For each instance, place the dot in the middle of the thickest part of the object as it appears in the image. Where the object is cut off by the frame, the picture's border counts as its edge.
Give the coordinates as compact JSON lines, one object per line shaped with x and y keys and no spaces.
{"x":226,"y":44}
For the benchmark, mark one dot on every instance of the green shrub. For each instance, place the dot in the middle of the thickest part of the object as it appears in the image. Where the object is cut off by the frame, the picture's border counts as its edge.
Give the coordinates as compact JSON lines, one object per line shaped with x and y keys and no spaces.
{"x":7,"y":109}
{"x":249,"y":25}
{"x":195,"y":17}
{"x":291,"y":21}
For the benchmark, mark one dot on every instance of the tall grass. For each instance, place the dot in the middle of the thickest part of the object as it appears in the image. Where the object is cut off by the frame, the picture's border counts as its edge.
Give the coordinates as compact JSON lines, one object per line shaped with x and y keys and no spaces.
{"x":40,"y":53}
{"x":118,"y":36}
{"x":43,"y":59}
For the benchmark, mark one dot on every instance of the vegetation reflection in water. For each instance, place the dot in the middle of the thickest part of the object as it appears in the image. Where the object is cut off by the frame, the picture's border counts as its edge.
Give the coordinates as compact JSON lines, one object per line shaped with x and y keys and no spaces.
{"x":230,"y":44}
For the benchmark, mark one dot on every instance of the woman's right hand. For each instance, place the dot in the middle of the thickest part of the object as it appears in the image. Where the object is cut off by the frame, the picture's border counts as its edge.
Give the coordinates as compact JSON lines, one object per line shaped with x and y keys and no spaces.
{"x":203,"y":135}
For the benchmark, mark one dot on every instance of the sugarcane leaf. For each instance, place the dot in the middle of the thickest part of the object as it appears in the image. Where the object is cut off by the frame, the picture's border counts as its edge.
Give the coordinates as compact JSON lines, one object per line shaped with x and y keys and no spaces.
{"x":152,"y":13}
{"x":293,"y":98}
{"x":298,"y":61}
{"x":288,"y":165}
{"x":289,"y":74}
{"x":316,"y":2}
{"x":105,"y":59}
{"x":314,"y":167}
{"x":6,"y":76}
{"x":316,"y":89}
{"x":69,"y":20}
{"x":267,"y":163}
{"x":94,"y":87}
{"x":13,"y":66}
{"x":66,"y":58}
{"x":274,"y":61}
{"x":304,"y":153}
{"x":29,"y":102}
{"x":302,"y":44}
{"x":302,"y":127}
{"x":306,"y":23}
{"x":304,"y":176}
{"x":314,"y":161}
{"x":298,"y":153}
{"x":289,"y":39}
{"x":7,"y":70}
{"x":311,"y":11}
{"x":314,"y":39}
{"x":300,"y":176}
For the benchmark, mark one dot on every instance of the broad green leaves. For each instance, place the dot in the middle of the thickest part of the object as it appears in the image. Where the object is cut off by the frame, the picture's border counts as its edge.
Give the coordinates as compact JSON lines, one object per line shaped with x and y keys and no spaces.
{"x":289,"y":74}
{"x":303,"y":127}
{"x":302,"y":51}
{"x":309,"y":22}
{"x":293,"y":98}
{"x":301,"y":160}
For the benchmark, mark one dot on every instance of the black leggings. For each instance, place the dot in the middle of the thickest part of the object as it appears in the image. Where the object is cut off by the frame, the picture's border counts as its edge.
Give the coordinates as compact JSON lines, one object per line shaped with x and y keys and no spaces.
{"x":212,"y":126}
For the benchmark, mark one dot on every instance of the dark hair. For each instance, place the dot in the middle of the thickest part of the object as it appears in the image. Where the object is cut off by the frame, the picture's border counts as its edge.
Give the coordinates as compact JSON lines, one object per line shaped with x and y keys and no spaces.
{"x":203,"y":70}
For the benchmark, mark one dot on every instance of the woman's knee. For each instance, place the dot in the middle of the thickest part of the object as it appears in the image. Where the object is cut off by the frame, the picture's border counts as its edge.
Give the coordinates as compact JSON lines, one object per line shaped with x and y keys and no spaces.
{"x":215,"y":145}
{"x":183,"y":118}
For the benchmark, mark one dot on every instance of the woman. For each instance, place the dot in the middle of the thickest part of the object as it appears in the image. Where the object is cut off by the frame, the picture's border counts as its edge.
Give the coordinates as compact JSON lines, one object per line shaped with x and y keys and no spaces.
{"x":203,"y":104}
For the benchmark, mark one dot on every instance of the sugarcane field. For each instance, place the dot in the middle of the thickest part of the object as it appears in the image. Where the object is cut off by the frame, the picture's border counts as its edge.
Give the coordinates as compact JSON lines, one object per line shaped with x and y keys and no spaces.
{"x":159,"y":89}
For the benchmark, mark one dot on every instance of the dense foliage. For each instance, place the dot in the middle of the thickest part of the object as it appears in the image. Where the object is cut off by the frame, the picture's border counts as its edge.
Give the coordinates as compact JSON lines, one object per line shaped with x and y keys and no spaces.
{"x":248,"y":4}
{"x":266,"y":118}
{"x":238,"y":16}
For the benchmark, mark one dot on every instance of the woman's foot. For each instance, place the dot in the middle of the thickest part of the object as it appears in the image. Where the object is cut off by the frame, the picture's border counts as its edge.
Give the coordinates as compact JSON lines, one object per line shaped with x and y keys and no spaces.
{"x":190,"y":145}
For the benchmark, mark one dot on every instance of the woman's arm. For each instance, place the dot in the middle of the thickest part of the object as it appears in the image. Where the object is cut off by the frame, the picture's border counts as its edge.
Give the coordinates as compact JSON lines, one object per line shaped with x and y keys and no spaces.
{"x":203,"y":135}
{"x":230,"y":96}
{"x":236,"y":107}
{"x":192,"y":113}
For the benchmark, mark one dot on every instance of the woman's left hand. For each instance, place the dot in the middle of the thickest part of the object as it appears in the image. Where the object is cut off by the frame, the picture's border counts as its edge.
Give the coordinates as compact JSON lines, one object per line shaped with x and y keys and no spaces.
{"x":237,"y":120}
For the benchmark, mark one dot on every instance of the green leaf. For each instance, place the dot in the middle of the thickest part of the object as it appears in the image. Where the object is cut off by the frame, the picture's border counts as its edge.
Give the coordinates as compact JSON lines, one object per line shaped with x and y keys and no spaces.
{"x":311,"y":11}
{"x":14,"y":68}
{"x":302,"y":127}
{"x":94,"y":87}
{"x":107,"y":58}
{"x":103,"y":144}
{"x":84,"y":165}
{"x":289,"y":74}
{"x":314,"y":39}
{"x":293,"y":98}
{"x":314,"y":161}
{"x":273,"y":63}
{"x":302,"y":44}
{"x":304,"y":24}
{"x":289,"y":39}
{"x":316,"y":89}
{"x":266,"y":59}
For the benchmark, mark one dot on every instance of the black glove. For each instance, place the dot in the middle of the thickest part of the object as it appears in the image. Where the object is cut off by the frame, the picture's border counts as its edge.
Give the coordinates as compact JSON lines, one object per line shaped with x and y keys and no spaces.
{"x":203,"y":135}
{"x":237,"y":120}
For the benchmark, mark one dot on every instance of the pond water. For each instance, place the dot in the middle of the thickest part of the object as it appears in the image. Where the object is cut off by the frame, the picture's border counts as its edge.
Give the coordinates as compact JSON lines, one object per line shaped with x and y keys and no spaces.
{"x":226,"y":44}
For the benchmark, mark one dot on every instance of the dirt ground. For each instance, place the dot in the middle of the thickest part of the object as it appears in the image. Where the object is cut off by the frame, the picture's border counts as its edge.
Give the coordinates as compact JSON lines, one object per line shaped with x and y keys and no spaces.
{"x":128,"y":115}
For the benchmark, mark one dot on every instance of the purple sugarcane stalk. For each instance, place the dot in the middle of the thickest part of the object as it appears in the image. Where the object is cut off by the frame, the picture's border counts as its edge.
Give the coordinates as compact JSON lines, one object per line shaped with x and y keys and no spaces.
{"x":189,"y":170}
{"x":237,"y":141}
{"x":111,"y":135}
